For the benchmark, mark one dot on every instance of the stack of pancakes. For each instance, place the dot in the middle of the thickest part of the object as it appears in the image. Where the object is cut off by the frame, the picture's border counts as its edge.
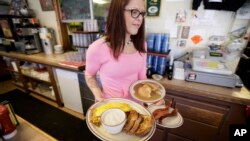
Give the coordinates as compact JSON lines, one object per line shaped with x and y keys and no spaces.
{"x":138,"y":124}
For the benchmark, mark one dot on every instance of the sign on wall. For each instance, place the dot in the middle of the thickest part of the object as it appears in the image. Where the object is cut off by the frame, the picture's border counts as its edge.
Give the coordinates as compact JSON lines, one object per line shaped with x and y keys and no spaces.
{"x":75,"y":9}
{"x":153,"y":7}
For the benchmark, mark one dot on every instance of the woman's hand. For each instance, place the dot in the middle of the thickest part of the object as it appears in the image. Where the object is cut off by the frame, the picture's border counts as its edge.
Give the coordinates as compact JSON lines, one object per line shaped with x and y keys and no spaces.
{"x":99,"y":99}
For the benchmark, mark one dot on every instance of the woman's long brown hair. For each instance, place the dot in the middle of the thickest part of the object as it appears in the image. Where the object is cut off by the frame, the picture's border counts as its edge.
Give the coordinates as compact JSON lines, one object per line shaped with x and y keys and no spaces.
{"x":116,"y":29}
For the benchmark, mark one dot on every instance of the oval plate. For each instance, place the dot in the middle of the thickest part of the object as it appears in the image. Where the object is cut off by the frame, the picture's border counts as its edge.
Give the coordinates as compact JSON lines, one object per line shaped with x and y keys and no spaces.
{"x":132,"y":91}
{"x":102,"y":134}
{"x":168,"y":122}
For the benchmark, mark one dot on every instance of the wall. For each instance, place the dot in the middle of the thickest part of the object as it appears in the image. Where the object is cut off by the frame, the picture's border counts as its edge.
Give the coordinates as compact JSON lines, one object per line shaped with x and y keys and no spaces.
{"x":207,"y":23}
{"x":46,"y":18}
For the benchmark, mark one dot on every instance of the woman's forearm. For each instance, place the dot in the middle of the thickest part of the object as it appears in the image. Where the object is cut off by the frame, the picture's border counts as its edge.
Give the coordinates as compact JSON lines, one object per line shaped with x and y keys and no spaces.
{"x":93,"y":86}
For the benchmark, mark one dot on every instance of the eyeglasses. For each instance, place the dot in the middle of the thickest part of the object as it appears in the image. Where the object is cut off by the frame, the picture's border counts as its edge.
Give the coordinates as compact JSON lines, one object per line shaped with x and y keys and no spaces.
{"x":136,"y":13}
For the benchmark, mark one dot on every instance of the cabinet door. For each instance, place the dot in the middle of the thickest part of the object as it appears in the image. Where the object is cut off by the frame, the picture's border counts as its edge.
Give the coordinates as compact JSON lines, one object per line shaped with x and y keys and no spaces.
{"x":202,"y":120}
{"x":172,"y":137}
{"x":86,"y":103}
{"x":85,"y":91}
{"x":69,"y":88}
{"x":158,"y":135}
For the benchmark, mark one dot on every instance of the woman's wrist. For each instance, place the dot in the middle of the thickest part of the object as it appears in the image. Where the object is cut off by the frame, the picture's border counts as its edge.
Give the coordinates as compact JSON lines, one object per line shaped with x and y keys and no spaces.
{"x":98,"y":98}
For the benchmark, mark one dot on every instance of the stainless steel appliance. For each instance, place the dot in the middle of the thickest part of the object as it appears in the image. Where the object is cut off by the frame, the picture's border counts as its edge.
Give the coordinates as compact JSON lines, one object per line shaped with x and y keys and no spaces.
{"x":30,"y":42}
{"x":20,"y":34}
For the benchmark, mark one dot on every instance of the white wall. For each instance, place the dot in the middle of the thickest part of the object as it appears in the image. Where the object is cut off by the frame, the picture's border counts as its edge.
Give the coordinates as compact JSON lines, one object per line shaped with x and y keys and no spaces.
{"x":46,"y":18}
{"x":207,"y":23}
{"x":211,"y":22}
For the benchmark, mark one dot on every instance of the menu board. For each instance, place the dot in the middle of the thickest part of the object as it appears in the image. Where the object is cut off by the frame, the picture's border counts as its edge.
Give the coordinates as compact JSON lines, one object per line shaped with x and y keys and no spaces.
{"x":75,"y":9}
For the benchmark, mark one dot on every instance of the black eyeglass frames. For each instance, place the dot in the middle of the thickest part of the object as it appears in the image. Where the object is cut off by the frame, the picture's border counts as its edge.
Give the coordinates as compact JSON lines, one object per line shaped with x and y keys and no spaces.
{"x":135,"y":13}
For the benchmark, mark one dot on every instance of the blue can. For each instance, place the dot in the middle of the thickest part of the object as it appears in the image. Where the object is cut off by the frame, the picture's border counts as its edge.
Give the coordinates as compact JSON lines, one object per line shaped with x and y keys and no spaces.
{"x":157,"y":43}
{"x":161,"y":65}
{"x":150,"y":41}
{"x":155,"y":62}
{"x":165,"y":43}
{"x":149,"y":61}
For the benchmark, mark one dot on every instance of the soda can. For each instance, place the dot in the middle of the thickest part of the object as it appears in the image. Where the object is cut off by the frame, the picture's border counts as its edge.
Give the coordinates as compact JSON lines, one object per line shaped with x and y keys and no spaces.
{"x":78,"y":40}
{"x":162,"y":60}
{"x":165,"y":43}
{"x":149,"y":61}
{"x":161,"y":65}
{"x":157,"y":43}
{"x":150,"y":41}
{"x":154,"y":63}
{"x":74,"y":39}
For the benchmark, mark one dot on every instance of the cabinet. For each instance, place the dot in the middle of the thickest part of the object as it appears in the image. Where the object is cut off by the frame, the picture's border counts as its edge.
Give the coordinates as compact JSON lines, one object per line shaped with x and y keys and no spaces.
{"x":86,"y":95}
{"x":36,"y":78}
{"x":204,"y":119}
{"x":69,"y":89}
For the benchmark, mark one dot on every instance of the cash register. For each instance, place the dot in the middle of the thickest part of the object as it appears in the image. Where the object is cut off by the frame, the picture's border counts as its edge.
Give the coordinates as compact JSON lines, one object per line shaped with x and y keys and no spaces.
{"x":216,"y":66}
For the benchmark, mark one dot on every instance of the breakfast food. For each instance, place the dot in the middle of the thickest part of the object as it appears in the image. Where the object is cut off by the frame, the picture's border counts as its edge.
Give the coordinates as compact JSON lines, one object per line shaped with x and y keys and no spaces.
{"x":145,"y":126}
{"x":113,"y":120}
{"x":162,"y":113}
{"x":132,"y":117}
{"x":97,"y":112}
{"x":148,"y":90}
{"x":154,"y":86}
{"x":138,"y":124}
{"x":145,"y":91}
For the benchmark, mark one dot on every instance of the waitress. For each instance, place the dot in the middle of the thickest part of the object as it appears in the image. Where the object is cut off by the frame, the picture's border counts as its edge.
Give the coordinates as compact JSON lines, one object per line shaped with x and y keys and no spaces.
{"x":120,"y":56}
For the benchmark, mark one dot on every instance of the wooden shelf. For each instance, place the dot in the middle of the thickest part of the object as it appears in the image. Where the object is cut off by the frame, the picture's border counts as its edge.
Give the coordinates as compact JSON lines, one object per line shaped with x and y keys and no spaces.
{"x":158,"y":54}
{"x":35,"y":78}
{"x":80,"y":46}
{"x":19,"y":84}
{"x":47,"y":95}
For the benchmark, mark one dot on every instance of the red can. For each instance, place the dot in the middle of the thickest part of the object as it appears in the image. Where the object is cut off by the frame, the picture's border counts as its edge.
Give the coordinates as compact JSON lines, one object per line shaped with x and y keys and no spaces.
{"x":9,"y":129}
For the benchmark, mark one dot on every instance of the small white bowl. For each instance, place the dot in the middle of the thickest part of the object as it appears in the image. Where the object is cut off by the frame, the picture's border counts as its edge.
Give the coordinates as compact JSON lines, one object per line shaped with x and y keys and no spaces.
{"x":113,"y":120}
{"x":157,"y":77}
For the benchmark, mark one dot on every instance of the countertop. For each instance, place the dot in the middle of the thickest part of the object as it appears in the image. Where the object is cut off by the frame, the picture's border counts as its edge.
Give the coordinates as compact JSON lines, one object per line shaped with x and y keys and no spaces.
{"x":234,"y":95}
{"x":41,"y":58}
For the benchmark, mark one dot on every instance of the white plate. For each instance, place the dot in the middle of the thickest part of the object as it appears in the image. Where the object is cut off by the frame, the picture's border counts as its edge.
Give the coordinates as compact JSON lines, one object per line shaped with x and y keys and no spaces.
{"x":132,"y":91}
{"x":168,"y":122}
{"x":102,"y":134}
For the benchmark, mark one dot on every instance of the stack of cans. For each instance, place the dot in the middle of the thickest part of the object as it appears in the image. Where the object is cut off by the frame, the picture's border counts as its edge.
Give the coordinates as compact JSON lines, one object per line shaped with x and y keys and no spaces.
{"x":158,"y":42}
{"x":83,"y":40}
{"x":157,"y":64}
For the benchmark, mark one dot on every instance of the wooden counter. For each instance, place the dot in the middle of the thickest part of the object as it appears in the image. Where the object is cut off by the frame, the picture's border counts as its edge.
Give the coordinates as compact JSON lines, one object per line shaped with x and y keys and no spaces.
{"x":42,"y":58}
{"x":206,"y":109}
{"x":50,"y":62}
{"x":234,"y":95}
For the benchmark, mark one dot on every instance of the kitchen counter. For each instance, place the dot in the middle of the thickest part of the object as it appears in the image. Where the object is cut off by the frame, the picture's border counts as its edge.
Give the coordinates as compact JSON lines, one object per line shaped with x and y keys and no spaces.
{"x":51,"y":62}
{"x":234,"y":95}
{"x":41,"y":58}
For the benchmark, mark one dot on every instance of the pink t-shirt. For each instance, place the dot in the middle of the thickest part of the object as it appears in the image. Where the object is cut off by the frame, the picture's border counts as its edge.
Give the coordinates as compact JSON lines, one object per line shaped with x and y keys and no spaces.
{"x":116,"y":75}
